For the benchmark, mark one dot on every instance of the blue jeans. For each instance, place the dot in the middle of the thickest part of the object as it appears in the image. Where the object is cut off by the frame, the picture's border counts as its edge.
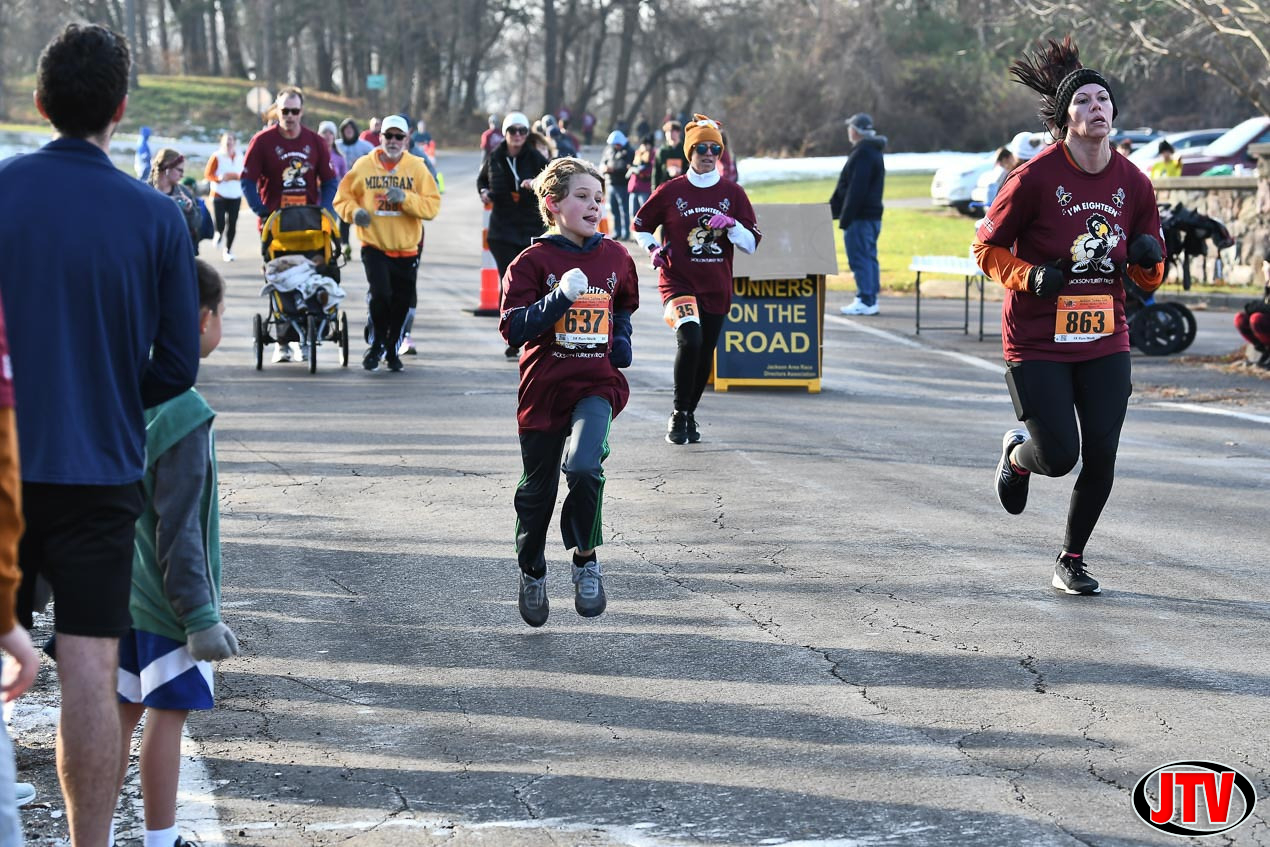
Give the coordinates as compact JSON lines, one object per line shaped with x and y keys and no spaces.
{"x":621,"y":215}
{"x":637,"y":200}
{"x":861,"y":240}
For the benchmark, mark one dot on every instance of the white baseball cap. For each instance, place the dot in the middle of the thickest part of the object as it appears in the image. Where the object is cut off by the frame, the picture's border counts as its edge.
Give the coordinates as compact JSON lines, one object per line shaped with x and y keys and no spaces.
{"x":396,"y":122}
{"x":1026,"y":144}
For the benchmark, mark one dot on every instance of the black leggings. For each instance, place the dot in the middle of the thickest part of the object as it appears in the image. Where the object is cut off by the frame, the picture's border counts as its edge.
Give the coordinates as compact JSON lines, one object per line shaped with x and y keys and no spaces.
{"x":226,"y":212}
{"x":1049,"y":397}
{"x":694,"y":359}
{"x":391,"y":280}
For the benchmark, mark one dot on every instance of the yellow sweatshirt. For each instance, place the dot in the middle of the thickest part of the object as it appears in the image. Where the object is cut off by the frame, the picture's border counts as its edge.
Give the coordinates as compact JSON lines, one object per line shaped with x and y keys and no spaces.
{"x":395,"y":228}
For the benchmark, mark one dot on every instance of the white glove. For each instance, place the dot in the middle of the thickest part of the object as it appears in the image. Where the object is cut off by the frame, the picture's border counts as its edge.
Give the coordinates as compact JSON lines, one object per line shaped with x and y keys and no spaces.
{"x":361,"y":217}
{"x":573,"y":283}
{"x":208,"y":645}
{"x":395,"y":194}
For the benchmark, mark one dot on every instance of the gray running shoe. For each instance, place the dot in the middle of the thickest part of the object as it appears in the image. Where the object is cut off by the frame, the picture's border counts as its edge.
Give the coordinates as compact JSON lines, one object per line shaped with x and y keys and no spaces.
{"x":1012,"y":485}
{"x":1070,"y":576}
{"x":588,"y":589}
{"x":534,"y":607}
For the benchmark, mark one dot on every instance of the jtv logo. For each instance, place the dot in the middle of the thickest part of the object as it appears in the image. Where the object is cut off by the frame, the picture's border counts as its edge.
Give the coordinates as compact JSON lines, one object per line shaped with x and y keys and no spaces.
{"x":1196,"y":798}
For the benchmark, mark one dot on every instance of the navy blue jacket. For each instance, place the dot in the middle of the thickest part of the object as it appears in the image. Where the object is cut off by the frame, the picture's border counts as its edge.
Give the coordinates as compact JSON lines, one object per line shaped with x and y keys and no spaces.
{"x":858,"y":196}
{"x":99,"y":289}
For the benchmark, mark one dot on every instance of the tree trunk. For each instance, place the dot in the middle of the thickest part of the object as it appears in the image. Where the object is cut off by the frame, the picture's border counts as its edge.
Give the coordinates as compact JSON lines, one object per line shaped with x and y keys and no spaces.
{"x":551,"y":93}
{"x":233,"y":45}
{"x":655,"y":78}
{"x":588,"y":85}
{"x":143,"y":60}
{"x":630,"y":25}
{"x":213,"y":40}
{"x":324,"y":60}
{"x":165,"y":52}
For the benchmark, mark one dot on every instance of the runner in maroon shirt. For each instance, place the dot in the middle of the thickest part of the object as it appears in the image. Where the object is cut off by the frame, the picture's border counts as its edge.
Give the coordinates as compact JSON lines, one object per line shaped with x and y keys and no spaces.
{"x":1065,"y":229}
{"x":568,"y":299}
{"x":702,"y":218}
{"x":288,"y":164}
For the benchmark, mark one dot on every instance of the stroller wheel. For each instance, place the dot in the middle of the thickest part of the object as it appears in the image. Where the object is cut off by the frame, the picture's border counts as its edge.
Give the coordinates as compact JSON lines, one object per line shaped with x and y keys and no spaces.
{"x":258,"y":339}
{"x":1188,"y":321}
{"x":1157,"y":330}
{"x":311,"y":341}
{"x":343,"y":339}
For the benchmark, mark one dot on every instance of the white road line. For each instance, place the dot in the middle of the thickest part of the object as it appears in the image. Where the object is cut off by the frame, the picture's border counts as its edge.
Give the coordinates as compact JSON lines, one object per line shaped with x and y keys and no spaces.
{"x":1212,"y":410}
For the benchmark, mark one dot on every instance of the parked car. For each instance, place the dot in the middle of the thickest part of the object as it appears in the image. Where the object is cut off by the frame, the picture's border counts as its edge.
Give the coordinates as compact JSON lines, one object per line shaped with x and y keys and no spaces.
{"x":953,"y":184}
{"x":1230,"y":149}
{"x":1148,"y":154}
{"x":1138,"y":137}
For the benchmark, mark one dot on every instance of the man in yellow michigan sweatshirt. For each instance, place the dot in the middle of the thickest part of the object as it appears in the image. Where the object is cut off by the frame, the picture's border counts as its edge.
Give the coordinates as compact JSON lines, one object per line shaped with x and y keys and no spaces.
{"x":388,"y":194}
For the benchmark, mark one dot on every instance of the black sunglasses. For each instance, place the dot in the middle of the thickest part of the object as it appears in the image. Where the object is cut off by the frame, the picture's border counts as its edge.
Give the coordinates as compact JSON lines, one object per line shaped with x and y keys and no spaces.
{"x":394,"y":136}
{"x":291,"y":111}
{"x":518,"y":130}
{"x":706,"y":147}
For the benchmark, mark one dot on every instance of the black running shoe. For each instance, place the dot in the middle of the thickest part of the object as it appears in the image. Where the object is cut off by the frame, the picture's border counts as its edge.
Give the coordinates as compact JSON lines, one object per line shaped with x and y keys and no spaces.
{"x":534,"y":607}
{"x":512,"y":352}
{"x":371,"y":360}
{"x":694,"y":434}
{"x":588,"y":589}
{"x":677,"y":428}
{"x":1011,"y":485}
{"x":1070,"y":576}
{"x":394,"y":363}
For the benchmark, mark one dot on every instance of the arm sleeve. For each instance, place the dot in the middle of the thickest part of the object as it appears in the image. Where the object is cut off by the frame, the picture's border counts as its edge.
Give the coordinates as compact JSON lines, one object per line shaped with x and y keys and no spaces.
{"x":348,"y":197}
{"x":482,"y":178}
{"x":742,"y":238}
{"x":10,"y":518}
{"x":520,"y":324}
{"x":328,"y":193}
{"x":645,"y":240}
{"x":180,"y":475}
{"x":839,"y":192}
{"x":1002,"y":265}
{"x":209,"y":172}
{"x":252,"y":195}
{"x":1148,"y":221}
{"x":174,"y":353}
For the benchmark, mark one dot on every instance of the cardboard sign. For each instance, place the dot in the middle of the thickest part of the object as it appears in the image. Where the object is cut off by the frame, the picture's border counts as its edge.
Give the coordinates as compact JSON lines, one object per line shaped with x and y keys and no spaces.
{"x":773,"y":332}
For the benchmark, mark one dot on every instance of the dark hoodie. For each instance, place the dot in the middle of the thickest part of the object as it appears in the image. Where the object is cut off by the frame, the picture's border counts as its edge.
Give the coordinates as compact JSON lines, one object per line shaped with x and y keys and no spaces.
{"x":858,"y":196}
{"x":514,"y":217}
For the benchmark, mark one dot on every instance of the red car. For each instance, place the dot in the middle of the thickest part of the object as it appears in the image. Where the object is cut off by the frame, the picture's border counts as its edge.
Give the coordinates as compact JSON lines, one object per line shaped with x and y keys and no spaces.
{"x":1230,"y":149}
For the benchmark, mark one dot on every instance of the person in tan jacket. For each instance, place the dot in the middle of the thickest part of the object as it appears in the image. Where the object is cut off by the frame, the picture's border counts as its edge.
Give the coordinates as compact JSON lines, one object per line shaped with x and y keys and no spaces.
{"x":388,"y":194}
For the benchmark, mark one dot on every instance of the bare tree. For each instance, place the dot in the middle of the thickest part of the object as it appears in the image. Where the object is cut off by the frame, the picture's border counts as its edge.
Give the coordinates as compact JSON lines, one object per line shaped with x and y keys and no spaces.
{"x":1228,"y":40}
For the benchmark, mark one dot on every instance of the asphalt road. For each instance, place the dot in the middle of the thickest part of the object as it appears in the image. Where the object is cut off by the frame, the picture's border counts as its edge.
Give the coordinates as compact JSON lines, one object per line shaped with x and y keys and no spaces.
{"x":822,"y":627}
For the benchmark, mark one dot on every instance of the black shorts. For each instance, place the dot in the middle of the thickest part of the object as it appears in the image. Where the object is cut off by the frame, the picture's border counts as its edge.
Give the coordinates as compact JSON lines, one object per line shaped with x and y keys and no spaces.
{"x":79,"y":538}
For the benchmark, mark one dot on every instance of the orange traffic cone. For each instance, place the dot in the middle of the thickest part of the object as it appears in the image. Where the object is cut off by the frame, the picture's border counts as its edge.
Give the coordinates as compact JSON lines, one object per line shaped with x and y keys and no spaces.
{"x":605,"y":227}
{"x":488,"y":305}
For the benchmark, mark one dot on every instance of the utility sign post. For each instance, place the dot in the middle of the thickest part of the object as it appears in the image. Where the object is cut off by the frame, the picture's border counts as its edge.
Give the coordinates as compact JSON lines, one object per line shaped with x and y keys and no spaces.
{"x":258,"y":100}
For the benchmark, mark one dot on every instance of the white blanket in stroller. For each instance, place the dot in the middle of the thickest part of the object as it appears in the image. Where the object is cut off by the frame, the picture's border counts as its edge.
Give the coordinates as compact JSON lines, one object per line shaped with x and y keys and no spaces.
{"x":299,"y":274}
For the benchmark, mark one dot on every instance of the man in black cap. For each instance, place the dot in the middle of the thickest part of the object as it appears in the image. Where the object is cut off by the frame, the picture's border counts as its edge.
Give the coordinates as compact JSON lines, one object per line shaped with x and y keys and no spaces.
{"x":857,"y":204}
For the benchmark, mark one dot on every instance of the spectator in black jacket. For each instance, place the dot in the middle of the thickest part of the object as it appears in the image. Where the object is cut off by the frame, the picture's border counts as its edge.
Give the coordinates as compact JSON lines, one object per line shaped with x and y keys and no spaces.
{"x":857,"y":204}
{"x":506,"y":183}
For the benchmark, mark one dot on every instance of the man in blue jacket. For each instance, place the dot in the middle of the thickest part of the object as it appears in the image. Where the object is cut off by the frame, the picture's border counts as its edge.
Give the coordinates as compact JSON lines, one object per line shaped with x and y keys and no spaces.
{"x":857,"y":204}
{"x":102,"y":301}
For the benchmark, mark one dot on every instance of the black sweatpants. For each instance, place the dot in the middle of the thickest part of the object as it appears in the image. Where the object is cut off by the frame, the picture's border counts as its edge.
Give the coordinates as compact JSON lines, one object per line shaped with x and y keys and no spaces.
{"x":392,"y":294}
{"x":580,"y":452}
{"x":694,"y":359}
{"x":225,"y":210}
{"x":1050,"y":398}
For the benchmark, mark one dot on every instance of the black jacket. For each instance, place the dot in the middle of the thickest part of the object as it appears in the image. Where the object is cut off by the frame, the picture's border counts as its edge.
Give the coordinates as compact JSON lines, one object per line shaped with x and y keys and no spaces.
{"x":858,"y":196}
{"x":514,"y":217}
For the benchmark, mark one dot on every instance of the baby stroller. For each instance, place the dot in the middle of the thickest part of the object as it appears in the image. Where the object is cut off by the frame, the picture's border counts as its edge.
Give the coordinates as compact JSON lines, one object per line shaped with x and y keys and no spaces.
{"x":1186,"y":233}
{"x":1157,"y":329}
{"x":300,"y":245}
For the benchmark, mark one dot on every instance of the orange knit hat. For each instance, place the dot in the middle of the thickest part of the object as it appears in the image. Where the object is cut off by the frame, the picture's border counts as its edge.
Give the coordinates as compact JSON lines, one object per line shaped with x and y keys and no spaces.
{"x":699,"y":129}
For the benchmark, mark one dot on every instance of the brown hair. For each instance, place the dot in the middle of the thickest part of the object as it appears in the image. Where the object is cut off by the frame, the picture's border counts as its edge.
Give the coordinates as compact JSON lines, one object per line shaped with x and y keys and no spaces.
{"x":211,"y":287}
{"x":290,"y":91}
{"x":164,"y":159}
{"x":554,"y":182}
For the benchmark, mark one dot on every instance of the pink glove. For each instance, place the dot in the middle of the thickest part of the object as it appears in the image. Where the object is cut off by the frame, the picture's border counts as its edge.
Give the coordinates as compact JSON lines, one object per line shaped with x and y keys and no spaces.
{"x":661,"y":256}
{"x":721,"y":222}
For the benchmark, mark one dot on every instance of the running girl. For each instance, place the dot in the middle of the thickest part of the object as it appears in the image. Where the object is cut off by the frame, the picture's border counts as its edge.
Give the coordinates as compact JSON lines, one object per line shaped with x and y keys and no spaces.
{"x":568,"y":299}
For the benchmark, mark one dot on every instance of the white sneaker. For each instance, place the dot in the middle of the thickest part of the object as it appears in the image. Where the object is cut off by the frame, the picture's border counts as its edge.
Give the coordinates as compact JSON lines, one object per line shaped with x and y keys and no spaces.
{"x":858,"y":308}
{"x":216,"y":241}
{"x":24,"y":793}
{"x":227,"y":256}
{"x":407,"y":347}
{"x":281,"y":353}
{"x":299,"y":352}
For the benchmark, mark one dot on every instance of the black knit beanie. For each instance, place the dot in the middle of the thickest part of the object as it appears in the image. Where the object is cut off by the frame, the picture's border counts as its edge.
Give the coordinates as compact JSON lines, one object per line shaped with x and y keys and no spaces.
{"x":1070,"y":85}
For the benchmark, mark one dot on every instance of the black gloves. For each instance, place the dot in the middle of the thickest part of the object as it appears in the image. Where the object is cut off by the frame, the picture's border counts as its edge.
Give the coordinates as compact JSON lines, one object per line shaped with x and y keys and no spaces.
{"x":1144,"y":251}
{"x":1045,"y":281}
